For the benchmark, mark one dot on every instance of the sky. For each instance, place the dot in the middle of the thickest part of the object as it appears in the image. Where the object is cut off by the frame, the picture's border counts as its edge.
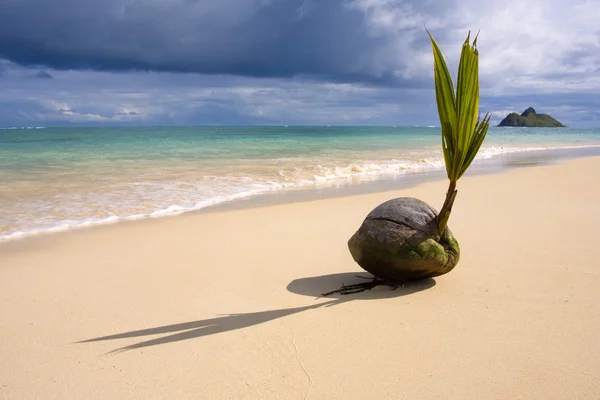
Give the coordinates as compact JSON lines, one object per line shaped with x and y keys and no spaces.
{"x":288,"y":62}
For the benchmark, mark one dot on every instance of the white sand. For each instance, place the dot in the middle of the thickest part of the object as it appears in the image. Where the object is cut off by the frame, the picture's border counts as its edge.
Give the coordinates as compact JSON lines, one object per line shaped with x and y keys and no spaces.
{"x":518,"y":318}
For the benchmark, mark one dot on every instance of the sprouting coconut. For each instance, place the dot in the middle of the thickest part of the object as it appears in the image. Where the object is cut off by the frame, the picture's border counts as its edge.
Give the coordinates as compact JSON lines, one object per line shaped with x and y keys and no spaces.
{"x":405,"y":239}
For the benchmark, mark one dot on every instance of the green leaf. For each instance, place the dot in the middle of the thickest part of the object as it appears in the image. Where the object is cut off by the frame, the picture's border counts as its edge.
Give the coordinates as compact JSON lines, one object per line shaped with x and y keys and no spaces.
{"x":480,"y":132}
{"x":458,"y":110}
{"x":445,"y":97}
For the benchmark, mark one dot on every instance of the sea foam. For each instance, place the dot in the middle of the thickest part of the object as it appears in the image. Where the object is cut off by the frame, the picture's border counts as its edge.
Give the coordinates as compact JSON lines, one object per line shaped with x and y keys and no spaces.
{"x":169,"y":173}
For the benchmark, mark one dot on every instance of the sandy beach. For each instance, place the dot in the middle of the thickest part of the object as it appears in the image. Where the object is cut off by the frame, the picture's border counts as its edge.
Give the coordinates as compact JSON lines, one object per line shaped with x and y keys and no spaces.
{"x":225,"y":305}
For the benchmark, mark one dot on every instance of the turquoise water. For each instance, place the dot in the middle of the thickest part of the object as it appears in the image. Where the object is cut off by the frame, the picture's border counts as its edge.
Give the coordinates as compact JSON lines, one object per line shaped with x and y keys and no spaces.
{"x":59,"y":178}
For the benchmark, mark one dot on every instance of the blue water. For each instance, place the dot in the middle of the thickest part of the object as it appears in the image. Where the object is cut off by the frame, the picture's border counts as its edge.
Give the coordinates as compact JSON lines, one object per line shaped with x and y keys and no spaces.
{"x":59,"y":178}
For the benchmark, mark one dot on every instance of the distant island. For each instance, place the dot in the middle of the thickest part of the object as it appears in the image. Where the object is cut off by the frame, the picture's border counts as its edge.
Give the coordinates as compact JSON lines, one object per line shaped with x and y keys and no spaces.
{"x":529,"y":118}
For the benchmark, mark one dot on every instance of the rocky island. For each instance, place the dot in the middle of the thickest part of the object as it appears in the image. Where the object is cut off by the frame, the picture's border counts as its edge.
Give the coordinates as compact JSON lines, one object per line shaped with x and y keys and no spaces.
{"x":529,"y":118}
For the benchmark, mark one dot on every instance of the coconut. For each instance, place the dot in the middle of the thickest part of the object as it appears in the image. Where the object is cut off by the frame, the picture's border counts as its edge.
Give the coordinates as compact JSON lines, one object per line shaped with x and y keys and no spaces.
{"x":405,"y":239}
{"x":399,"y":241}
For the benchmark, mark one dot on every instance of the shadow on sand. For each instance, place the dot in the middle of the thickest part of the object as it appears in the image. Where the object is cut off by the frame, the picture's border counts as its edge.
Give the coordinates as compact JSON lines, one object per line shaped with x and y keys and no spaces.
{"x":312,"y":286}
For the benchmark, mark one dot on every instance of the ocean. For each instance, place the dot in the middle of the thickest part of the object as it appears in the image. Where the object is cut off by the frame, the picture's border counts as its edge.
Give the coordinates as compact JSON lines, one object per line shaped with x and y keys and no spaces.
{"x":54,"y":179}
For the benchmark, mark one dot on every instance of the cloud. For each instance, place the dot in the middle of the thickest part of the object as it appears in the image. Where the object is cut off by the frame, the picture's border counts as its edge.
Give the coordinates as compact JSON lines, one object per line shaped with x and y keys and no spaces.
{"x":43,"y":75}
{"x":249,"y":37}
{"x":138,"y":98}
{"x":380,"y":42}
{"x":288,"y":61}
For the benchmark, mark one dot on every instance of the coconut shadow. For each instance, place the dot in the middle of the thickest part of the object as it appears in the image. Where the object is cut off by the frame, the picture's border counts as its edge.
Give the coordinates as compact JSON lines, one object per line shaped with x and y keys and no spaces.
{"x":311,"y":286}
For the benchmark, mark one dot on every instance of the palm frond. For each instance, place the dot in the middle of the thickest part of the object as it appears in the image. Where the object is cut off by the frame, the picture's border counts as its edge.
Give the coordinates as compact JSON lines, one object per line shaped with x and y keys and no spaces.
{"x":462,"y":133}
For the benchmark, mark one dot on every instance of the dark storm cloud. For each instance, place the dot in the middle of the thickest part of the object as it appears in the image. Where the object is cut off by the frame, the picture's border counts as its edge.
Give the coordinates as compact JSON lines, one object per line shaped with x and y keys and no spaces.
{"x":330,"y":39}
{"x":247,"y":62}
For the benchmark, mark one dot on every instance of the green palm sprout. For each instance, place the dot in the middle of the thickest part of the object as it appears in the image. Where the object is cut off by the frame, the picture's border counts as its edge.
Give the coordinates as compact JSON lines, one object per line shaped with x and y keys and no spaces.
{"x":404,"y":239}
{"x":462,"y":129}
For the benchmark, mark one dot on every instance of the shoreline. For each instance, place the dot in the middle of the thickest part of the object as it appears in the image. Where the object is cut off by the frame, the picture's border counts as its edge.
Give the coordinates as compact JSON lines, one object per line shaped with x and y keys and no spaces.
{"x":496,"y":164}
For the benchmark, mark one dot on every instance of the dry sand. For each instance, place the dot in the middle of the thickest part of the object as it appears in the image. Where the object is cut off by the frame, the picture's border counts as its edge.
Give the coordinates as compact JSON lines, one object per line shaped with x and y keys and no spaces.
{"x":222,"y":305}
